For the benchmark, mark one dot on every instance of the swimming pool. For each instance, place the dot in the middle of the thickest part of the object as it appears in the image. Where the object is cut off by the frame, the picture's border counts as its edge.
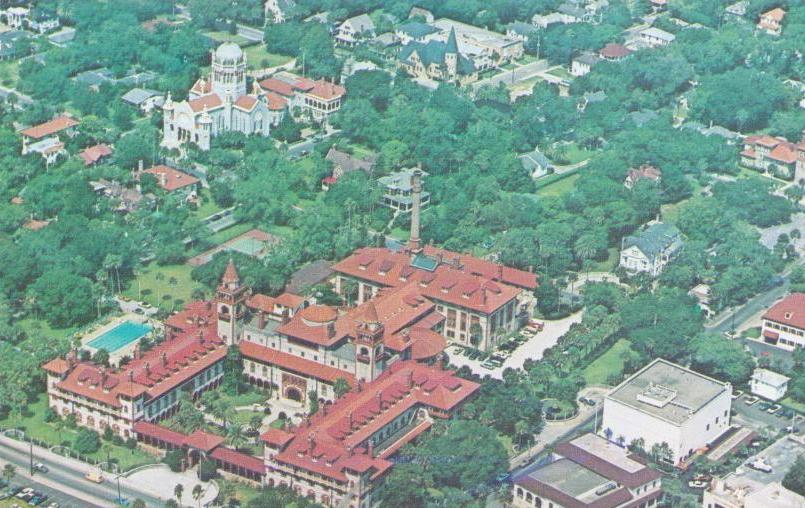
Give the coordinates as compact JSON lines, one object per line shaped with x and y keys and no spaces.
{"x":120,"y":336}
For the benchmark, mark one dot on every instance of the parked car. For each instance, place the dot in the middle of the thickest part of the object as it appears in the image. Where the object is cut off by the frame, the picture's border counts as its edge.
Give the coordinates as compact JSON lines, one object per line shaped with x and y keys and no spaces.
{"x":40,"y":467}
{"x":94,"y":476}
{"x":774,"y":408}
{"x":785,"y":412}
{"x":585,"y":400}
{"x":764,"y":406}
{"x":503,"y":478}
{"x":751,"y":400}
{"x":736,"y":394}
{"x":791,"y":429}
{"x":760,"y":465}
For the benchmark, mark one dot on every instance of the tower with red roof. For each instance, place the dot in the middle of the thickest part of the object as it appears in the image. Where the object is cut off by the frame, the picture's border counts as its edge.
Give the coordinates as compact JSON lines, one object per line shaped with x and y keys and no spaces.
{"x":230,"y":300}
{"x":370,"y":354}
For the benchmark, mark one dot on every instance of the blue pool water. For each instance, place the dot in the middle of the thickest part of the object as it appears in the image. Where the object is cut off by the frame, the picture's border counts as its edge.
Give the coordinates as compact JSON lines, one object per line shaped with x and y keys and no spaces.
{"x":120,"y":336}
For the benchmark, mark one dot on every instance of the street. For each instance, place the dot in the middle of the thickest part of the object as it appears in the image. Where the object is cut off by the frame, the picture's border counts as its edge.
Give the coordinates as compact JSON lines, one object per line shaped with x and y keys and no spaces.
{"x":305,"y":147}
{"x":67,"y":476}
{"x":521,"y":73}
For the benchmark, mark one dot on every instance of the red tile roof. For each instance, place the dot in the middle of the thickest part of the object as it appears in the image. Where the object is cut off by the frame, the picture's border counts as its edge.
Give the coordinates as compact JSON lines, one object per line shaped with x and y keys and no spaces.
{"x":246,"y":102}
{"x":785,"y":153}
{"x":58,"y":366}
{"x":294,"y":363}
{"x":171,"y":179}
{"x":236,"y":458}
{"x":155,"y":431}
{"x":50,"y":127}
{"x":275,"y":101}
{"x":644,"y":171}
{"x":788,"y":311}
{"x":261,"y":302}
{"x":613,"y":50}
{"x":94,"y":153}
{"x":290,"y":300}
{"x":277,"y":86}
{"x":327,"y":91}
{"x":211,"y":101}
{"x":201,"y":87}
{"x":607,"y":469}
{"x":777,"y":14}
{"x":203,"y":441}
{"x":488,"y":269}
{"x":335,"y":438}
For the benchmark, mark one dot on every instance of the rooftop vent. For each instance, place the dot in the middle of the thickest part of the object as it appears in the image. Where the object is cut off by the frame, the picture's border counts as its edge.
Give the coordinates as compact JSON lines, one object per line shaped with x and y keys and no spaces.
{"x":656,"y":395}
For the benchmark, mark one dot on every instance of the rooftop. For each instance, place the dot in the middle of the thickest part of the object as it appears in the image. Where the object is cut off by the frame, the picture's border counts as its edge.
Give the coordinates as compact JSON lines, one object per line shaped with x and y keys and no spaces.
{"x":788,"y":311}
{"x":170,"y":178}
{"x":654,"y":239}
{"x":770,"y":377}
{"x":50,"y":127}
{"x":668,"y":391}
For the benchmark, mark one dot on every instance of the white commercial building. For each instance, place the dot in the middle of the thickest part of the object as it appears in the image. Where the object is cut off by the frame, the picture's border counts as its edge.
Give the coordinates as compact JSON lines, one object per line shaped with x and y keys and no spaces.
{"x":769,"y":385}
{"x":784,"y":323}
{"x":667,"y":403}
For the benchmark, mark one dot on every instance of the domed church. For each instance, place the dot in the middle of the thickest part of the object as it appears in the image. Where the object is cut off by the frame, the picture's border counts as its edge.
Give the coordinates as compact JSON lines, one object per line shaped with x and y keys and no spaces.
{"x":218,"y":104}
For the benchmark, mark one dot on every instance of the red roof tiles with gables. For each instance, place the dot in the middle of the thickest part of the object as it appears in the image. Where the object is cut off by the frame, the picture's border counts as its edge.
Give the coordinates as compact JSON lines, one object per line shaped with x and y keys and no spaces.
{"x":95,"y":153}
{"x":201,"y":87}
{"x":789,"y":311}
{"x":784,"y":152}
{"x":290,"y":300}
{"x":238,"y":459}
{"x":327,"y":91}
{"x":210,"y":102}
{"x":50,"y":127}
{"x":277,"y":86}
{"x":613,"y":51}
{"x":57,"y":366}
{"x":261,"y":302}
{"x":275,"y":101}
{"x":308,"y":368}
{"x":246,"y":102}
{"x":335,"y":438}
{"x":154,"y":431}
{"x":203,"y":441}
{"x":171,"y":179}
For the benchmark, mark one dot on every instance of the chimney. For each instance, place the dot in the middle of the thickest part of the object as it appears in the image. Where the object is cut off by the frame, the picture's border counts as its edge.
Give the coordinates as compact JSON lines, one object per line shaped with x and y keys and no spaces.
{"x":331,"y":329}
{"x":370,"y":449}
{"x":147,"y":369}
{"x":261,"y":320}
{"x":379,"y":397}
{"x":349,"y":420}
{"x":164,"y":359}
{"x":311,"y":442}
{"x":416,"y":196}
{"x":409,"y":379}
{"x":140,"y":166}
{"x":200,"y":336}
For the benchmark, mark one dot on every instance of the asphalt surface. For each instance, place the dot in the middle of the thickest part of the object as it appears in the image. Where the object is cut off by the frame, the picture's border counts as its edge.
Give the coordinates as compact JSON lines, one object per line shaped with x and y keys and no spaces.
{"x":735,"y":318}
{"x":521,"y":73}
{"x":61,"y":475}
{"x":64,"y":500}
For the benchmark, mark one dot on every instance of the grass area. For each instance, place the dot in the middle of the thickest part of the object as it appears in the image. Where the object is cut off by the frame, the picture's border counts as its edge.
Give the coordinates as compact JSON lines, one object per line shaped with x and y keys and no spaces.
{"x":506,"y":441}
{"x":257,"y":57}
{"x":796,"y":406}
{"x":607,"y":265}
{"x":509,"y":66}
{"x":155,"y":282}
{"x":752,"y":333}
{"x":208,"y":206}
{"x":244,"y":417}
{"x":10,"y":73}
{"x":561,"y":72}
{"x":607,"y":364}
{"x":281,"y":231}
{"x":221,"y":36}
{"x":243,"y":493}
{"x":14,"y":502}
{"x":400,"y":234}
{"x":229,"y":233}
{"x":558,"y":186}
{"x":34,"y":425}
{"x":575,"y":154}
{"x":40,"y":328}
{"x":277,"y":424}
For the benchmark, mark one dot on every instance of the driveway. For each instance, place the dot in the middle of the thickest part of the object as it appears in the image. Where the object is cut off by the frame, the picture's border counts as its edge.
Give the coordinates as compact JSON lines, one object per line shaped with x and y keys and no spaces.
{"x":521,"y":73}
{"x":758,"y":420}
{"x":532,"y":349}
{"x":160,"y":480}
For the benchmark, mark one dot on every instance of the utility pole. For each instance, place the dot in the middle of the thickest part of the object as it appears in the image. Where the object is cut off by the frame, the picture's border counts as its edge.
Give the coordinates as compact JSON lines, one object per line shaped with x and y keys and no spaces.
{"x":31,"y":453}
{"x":119,"y":497}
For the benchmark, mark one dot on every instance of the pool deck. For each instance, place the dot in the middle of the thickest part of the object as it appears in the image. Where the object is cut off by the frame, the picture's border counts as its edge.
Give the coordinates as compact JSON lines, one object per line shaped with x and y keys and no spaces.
{"x":128,"y":349}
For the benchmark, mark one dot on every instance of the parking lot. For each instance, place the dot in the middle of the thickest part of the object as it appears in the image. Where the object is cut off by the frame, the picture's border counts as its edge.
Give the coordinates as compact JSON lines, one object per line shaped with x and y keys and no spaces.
{"x":27,"y":493}
{"x":778,"y":457}
{"x":529,"y":345}
{"x":757,"y":417}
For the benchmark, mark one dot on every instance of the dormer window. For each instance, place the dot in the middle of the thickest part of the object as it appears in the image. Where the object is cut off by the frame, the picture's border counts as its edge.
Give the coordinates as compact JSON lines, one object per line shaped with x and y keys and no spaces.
{"x":789,"y":315}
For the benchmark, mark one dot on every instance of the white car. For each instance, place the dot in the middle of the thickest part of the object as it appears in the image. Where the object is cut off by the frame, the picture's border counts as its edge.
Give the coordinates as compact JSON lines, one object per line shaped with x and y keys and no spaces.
{"x":760,"y":465}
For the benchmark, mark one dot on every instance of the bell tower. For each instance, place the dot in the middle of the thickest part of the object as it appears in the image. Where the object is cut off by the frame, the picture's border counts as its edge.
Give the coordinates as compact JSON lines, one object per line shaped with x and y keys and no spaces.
{"x":370,"y":354}
{"x":230,"y":301}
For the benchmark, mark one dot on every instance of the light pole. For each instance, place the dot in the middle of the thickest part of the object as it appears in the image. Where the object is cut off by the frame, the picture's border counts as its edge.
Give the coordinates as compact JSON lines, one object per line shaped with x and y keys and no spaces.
{"x":31,"y":454}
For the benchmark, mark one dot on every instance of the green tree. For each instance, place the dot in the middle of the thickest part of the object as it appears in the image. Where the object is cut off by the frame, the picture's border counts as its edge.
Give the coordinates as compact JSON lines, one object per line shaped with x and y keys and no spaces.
{"x":178,"y":490}
{"x":86,"y":442}
{"x":794,"y":479}
{"x":198,"y":491}
{"x":340,"y":387}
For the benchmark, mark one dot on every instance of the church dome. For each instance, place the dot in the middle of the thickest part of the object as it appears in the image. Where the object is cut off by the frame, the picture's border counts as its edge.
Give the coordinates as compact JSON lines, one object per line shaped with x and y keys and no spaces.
{"x":228,"y":52}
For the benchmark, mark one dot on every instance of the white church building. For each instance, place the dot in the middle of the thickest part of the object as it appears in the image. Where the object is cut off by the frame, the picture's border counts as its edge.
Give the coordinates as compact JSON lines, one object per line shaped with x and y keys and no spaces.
{"x":219,"y":104}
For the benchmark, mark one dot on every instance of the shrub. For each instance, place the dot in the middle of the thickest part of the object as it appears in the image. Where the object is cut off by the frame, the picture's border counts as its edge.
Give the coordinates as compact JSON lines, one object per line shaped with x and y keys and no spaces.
{"x":50,"y":415}
{"x":108,"y":435}
{"x":86,"y":442}
{"x":206,"y":470}
{"x":174,"y":460}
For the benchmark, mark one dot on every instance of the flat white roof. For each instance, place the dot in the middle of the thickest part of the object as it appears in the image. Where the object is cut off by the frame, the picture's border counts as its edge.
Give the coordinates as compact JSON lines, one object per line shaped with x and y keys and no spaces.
{"x":770,"y":377}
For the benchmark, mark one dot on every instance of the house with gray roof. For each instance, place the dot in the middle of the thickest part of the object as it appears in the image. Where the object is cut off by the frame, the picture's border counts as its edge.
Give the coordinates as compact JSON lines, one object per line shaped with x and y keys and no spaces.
{"x":144,"y":99}
{"x":650,"y":249}
{"x":398,"y":189}
{"x":654,"y":37}
{"x":438,"y":61}
{"x":583,"y":63}
{"x":536,"y":163}
{"x":519,"y":30}
{"x":354,"y":30}
{"x":414,"y":31}
{"x":343,"y":163}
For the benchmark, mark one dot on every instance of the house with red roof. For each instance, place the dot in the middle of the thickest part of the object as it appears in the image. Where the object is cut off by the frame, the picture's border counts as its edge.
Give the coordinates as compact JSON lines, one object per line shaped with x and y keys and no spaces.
{"x":775,"y":156}
{"x":147,"y":388}
{"x":219,"y":104}
{"x":340,"y":455}
{"x":771,"y":21}
{"x":784,"y":323}
{"x":94,"y":154}
{"x":614,"y":52}
{"x":644,"y":172}
{"x":46,"y":138}
{"x":315,"y":99}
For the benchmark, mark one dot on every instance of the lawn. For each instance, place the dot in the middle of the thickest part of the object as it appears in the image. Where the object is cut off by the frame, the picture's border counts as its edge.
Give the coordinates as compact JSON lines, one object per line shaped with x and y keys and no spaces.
{"x":575,"y":154}
{"x":609,"y":264}
{"x":558,"y":186}
{"x":154,"y":283}
{"x":400,"y":234}
{"x":796,"y":406}
{"x":14,"y":502}
{"x":226,"y":37}
{"x":39,"y":327}
{"x":208,"y":206}
{"x":506,"y":441}
{"x":257,"y":57}
{"x":607,"y":364}
{"x":560,"y":72}
{"x":34,"y":425}
{"x":9,"y":73}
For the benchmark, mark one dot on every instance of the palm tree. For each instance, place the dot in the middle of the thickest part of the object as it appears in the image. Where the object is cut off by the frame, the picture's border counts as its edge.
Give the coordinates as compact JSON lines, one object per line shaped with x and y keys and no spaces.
{"x":198,"y":491}
{"x":235,"y":435}
{"x":8,"y":472}
{"x":159,"y":277}
{"x":178,"y":490}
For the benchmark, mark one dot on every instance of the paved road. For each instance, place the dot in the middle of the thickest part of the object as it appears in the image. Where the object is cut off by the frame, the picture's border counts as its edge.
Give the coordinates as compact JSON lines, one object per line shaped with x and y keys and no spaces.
{"x":23,"y":479}
{"x":522,"y":73}
{"x":253,"y":34}
{"x":67,"y":476}
{"x":306,"y":146}
{"x":733,"y":319}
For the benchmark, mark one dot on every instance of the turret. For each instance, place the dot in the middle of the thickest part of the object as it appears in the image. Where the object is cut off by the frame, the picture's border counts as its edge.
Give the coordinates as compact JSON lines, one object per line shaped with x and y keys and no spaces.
{"x":370,"y":353}
{"x":451,"y":55}
{"x":230,"y":302}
